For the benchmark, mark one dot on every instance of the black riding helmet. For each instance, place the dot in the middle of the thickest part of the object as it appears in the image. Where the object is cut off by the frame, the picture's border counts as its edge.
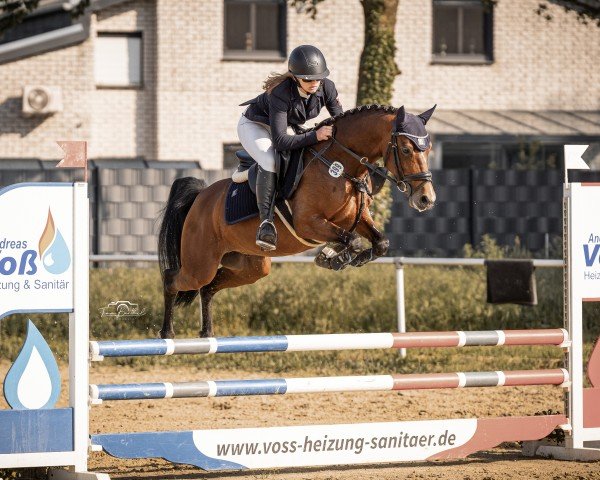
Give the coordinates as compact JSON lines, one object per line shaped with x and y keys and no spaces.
{"x":308,"y":63}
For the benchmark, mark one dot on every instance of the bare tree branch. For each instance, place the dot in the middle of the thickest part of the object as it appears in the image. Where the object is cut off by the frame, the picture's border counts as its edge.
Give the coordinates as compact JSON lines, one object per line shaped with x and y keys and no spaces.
{"x":306,"y":6}
{"x":587,"y":10}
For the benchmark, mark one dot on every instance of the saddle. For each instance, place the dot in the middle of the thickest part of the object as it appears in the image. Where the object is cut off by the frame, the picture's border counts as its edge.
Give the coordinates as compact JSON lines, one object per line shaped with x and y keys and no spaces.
{"x":240,"y":203}
{"x":290,"y":168}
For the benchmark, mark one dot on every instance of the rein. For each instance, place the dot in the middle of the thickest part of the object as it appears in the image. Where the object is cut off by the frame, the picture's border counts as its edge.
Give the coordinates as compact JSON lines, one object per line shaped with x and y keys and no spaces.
{"x":360,"y":184}
{"x":402,"y":181}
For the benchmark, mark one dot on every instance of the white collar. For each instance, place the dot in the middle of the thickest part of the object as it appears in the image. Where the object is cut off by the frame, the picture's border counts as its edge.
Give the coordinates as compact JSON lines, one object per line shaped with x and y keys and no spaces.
{"x":302,"y":93}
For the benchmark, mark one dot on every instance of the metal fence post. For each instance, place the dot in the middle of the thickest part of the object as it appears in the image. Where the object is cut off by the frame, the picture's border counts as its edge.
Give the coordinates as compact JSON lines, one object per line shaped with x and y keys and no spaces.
{"x":401,"y":314}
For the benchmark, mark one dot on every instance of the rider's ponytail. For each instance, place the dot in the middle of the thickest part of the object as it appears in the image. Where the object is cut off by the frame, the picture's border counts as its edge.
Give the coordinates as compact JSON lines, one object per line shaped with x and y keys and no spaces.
{"x":275,"y":79}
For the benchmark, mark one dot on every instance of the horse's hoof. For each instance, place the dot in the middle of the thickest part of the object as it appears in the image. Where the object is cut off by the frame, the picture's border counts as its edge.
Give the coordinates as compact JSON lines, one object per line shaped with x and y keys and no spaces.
{"x":166,"y":334}
{"x":342,"y":260}
{"x":363,"y":258}
{"x":355,"y":244}
{"x":322,"y":261}
{"x":381,"y":247}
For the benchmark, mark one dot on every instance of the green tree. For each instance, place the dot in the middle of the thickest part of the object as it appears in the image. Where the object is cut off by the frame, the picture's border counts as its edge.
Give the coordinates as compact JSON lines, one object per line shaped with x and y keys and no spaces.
{"x":377,"y":68}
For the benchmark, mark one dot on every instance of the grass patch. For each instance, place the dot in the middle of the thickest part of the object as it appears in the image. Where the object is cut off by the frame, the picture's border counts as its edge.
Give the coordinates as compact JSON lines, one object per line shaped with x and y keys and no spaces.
{"x":299,"y":298}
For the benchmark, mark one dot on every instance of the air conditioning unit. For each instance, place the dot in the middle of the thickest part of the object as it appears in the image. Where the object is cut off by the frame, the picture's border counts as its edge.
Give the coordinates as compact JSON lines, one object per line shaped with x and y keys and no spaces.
{"x":41,"y":100}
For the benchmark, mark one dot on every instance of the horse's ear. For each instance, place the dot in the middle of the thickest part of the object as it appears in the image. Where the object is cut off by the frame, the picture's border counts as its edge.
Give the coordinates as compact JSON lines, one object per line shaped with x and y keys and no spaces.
{"x":425,"y":116}
{"x":400,"y":117}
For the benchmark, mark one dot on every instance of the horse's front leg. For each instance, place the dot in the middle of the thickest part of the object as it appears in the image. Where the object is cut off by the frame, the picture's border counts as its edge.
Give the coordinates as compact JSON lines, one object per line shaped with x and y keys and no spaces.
{"x":342,"y":245}
{"x":322,"y":229}
{"x":366,"y":227}
{"x":379,"y":241}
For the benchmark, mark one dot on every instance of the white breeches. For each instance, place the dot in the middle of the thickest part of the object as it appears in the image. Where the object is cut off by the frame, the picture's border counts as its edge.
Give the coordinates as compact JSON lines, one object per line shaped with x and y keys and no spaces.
{"x":255,"y":137}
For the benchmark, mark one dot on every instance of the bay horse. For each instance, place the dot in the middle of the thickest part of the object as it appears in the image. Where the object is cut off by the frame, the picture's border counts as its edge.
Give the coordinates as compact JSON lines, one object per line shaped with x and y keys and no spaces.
{"x":199,"y":253}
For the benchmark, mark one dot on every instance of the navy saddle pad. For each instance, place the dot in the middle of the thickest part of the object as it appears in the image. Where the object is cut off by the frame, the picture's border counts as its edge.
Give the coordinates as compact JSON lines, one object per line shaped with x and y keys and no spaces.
{"x":240,"y":203}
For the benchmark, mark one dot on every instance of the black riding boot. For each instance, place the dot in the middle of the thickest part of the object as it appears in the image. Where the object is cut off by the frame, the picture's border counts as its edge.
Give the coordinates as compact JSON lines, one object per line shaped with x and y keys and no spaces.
{"x":266,"y":188}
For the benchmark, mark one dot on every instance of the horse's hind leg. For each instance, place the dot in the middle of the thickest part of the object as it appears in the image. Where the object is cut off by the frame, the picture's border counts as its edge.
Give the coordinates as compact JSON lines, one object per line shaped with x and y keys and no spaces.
{"x":167,"y":330}
{"x":237,"y":270}
{"x":181,"y":287}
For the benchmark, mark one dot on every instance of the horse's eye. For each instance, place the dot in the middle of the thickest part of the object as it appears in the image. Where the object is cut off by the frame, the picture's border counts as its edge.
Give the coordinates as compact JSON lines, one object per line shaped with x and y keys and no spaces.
{"x":405,"y":150}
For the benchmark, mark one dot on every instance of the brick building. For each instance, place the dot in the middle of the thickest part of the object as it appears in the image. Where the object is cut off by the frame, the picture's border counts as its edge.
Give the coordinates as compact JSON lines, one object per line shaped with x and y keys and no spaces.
{"x":154,"y":87}
{"x":161,"y":80}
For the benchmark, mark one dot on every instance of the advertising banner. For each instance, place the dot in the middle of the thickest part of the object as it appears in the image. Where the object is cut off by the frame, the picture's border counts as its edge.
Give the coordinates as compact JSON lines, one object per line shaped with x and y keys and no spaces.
{"x":585,"y":231}
{"x":36,"y":248}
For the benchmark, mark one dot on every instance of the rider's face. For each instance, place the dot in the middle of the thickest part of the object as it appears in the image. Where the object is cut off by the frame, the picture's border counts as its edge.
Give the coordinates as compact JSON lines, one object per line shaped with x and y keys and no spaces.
{"x":309,"y":86}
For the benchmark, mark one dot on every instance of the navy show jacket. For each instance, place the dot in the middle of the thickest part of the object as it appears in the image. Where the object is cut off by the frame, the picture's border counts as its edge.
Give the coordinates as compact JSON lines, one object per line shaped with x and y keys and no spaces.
{"x":285,"y":107}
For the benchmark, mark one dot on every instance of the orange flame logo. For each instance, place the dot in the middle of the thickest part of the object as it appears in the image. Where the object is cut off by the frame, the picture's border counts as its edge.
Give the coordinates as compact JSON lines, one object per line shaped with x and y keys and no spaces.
{"x":47,"y":235}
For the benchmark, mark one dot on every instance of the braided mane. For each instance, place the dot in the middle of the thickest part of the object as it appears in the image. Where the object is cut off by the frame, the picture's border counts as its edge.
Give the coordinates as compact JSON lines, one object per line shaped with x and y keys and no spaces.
{"x":360,"y":108}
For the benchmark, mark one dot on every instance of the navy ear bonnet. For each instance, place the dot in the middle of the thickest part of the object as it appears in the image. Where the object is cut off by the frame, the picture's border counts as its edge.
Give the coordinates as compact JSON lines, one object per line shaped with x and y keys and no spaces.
{"x":413,"y":127}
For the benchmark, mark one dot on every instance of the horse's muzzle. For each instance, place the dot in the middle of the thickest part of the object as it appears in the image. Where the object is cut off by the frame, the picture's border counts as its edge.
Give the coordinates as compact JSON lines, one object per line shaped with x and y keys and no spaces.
{"x":422,"y":200}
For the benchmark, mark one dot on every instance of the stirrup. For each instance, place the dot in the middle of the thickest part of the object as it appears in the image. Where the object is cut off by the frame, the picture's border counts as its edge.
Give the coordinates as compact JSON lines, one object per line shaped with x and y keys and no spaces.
{"x":263,"y":243}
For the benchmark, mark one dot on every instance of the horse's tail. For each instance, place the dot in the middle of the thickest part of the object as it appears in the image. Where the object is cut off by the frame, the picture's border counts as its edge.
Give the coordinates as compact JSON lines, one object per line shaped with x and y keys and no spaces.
{"x":181,"y":197}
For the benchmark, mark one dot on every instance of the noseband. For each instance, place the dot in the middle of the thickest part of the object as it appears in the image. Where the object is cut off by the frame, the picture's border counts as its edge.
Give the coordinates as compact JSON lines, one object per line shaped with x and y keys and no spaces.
{"x":403,"y":181}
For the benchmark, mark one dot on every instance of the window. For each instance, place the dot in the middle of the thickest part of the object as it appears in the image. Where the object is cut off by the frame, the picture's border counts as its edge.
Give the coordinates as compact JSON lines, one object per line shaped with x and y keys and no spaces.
{"x":462,"y":31}
{"x":118,"y":60}
{"x":255,"y":30}
{"x":229,"y":158}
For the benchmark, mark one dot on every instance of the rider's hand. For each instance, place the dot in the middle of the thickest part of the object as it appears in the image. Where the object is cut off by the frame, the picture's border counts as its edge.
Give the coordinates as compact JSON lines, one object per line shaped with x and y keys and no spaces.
{"x":324,"y":133}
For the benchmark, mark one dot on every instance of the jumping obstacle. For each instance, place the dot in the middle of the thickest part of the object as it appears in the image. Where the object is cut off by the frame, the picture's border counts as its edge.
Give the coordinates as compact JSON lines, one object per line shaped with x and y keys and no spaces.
{"x":346,"y":444}
{"x":312,"y":343}
{"x":303,"y":446}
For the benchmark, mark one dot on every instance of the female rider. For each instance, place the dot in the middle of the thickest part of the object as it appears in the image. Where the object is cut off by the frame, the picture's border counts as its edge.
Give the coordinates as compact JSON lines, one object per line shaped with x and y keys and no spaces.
{"x":289,"y":100}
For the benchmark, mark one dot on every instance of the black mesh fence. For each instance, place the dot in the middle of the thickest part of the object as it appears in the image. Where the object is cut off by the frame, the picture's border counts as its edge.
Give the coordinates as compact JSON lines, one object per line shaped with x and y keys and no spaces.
{"x":125,"y":203}
{"x":504,"y":204}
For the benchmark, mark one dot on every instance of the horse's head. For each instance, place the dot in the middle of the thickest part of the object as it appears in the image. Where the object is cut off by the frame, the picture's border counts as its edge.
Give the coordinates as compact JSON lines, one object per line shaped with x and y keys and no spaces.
{"x":407,"y":156}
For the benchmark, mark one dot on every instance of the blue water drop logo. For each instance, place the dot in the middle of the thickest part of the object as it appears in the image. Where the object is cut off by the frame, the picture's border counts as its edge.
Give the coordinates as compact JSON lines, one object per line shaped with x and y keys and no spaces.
{"x":33,"y":381}
{"x":57,"y":259}
{"x":54,"y":252}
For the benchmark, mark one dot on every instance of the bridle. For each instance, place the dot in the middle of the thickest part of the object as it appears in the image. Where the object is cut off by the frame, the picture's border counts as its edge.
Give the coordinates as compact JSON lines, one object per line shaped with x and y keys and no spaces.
{"x":401,"y":180}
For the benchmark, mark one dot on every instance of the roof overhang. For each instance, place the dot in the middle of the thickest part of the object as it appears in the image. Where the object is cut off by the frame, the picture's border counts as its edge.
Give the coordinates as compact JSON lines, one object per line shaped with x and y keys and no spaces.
{"x":507,"y":125}
{"x":76,"y":33}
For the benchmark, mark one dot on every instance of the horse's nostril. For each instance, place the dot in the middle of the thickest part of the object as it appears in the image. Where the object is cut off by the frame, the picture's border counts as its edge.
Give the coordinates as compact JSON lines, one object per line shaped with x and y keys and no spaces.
{"x":424,"y":199}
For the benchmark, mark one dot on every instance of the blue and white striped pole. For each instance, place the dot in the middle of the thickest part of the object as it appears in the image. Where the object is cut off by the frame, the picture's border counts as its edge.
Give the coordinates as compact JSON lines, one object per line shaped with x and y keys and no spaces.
{"x":345,"y":341}
{"x":281,"y":386}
